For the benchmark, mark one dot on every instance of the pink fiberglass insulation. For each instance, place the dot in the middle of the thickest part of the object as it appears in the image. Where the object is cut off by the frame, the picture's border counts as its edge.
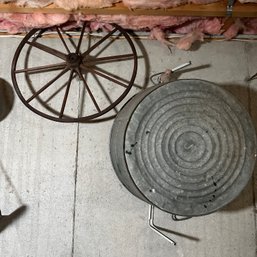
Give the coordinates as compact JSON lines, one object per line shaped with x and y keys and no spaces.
{"x":192,"y":27}
{"x":241,"y":25}
{"x":202,"y":1}
{"x":7,"y":1}
{"x":187,"y":41}
{"x":158,"y":34}
{"x":233,"y":30}
{"x":154,"y":4}
{"x":29,"y":3}
{"x":23,"y":22}
{"x":250,"y":26}
{"x":206,"y":25}
{"x":76,"y":4}
{"x":247,"y":1}
{"x":34,"y":3}
{"x":66,"y":4}
{"x":138,"y":22}
{"x":132,"y":4}
{"x":17,"y":22}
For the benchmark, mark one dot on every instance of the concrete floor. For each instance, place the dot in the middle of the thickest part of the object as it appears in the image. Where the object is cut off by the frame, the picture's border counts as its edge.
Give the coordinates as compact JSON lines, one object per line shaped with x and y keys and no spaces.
{"x":58,"y":191}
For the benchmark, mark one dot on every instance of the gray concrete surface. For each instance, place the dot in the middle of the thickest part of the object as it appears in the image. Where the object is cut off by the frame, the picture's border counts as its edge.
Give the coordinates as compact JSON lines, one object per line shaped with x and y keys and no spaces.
{"x":61,"y":197}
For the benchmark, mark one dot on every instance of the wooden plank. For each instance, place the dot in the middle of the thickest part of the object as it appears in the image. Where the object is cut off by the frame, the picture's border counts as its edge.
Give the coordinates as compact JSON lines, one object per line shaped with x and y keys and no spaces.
{"x":212,"y":10}
{"x":245,"y":10}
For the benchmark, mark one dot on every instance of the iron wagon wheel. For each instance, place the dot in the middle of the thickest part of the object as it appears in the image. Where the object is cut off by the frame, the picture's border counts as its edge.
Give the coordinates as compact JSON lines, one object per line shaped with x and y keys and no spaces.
{"x":96,"y":67}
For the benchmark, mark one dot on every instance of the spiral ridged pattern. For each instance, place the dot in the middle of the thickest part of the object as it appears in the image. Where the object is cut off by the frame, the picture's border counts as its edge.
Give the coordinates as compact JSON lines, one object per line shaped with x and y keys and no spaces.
{"x":190,"y":147}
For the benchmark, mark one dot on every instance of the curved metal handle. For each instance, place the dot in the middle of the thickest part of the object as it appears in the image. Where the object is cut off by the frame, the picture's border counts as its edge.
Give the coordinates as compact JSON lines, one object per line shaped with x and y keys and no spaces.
{"x":180,"y":218}
{"x":154,"y":228}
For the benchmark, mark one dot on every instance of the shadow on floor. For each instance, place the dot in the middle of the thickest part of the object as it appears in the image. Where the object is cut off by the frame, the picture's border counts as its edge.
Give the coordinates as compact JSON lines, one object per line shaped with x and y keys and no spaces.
{"x":243,"y":201}
{"x":9,"y":183}
{"x":178,"y":234}
{"x":6,"y":99}
{"x":177,"y":74}
{"x":143,"y":85}
{"x":246,"y":198}
{"x":6,"y":220}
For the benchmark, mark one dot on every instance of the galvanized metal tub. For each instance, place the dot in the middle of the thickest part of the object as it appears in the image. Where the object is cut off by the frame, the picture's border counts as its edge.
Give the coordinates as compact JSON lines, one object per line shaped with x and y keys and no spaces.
{"x":187,"y":147}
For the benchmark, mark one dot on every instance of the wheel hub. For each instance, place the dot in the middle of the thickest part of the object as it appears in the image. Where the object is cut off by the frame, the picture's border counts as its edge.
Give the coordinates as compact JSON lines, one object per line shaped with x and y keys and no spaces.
{"x":74,"y":60}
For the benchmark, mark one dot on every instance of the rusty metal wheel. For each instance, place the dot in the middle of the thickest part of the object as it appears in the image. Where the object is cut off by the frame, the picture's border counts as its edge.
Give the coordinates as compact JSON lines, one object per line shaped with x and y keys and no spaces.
{"x":68,"y":81}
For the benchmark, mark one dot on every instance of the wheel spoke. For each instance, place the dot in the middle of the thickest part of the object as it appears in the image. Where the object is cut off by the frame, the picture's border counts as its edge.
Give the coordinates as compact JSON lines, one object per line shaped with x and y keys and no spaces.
{"x":62,"y":39}
{"x":44,"y":68}
{"x":88,"y":89}
{"x":81,"y":37}
{"x":114,"y":58}
{"x":104,"y":92}
{"x":48,"y":50}
{"x":59,"y":90}
{"x":99,"y":42}
{"x":66,"y":94}
{"x":69,"y":38}
{"x":108,"y":44}
{"x":47,"y":85}
{"x":104,"y":75}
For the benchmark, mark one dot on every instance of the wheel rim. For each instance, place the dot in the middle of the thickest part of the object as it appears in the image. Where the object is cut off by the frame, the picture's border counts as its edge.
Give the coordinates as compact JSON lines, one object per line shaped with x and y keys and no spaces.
{"x":74,"y":63}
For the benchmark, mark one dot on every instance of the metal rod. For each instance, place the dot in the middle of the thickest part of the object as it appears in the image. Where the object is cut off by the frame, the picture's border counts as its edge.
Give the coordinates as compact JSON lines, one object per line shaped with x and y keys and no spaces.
{"x":62,"y":39}
{"x":121,"y":57}
{"x":80,"y":38}
{"x":47,"y":85}
{"x":51,"y":67}
{"x":58,"y":91}
{"x":88,"y":89}
{"x":66,"y":94}
{"x":104,"y":75}
{"x":181,"y":66}
{"x":69,"y":38}
{"x":154,"y":228}
{"x":104,"y":92}
{"x":107,"y":73}
{"x":99,"y":42}
{"x":48,"y":50}
{"x":230,"y":5}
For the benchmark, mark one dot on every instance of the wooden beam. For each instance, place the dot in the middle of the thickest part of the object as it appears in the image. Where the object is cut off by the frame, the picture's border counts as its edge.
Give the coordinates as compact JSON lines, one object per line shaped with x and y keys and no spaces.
{"x":245,"y":10}
{"x":210,"y":10}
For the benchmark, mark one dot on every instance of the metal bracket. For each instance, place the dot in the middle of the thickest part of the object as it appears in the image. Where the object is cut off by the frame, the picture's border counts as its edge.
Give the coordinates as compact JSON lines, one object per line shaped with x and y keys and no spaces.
{"x":180,"y":218}
{"x":154,"y":228}
{"x":230,"y":5}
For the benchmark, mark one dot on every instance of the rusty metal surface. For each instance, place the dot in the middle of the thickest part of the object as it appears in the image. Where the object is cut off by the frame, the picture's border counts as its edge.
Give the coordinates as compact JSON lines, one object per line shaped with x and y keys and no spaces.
{"x":187,"y":147}
{"x":76,"y":64}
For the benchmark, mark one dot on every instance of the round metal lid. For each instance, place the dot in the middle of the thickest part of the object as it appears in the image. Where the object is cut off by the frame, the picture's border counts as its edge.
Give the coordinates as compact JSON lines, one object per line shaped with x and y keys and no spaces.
{"x":190,"y":147}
